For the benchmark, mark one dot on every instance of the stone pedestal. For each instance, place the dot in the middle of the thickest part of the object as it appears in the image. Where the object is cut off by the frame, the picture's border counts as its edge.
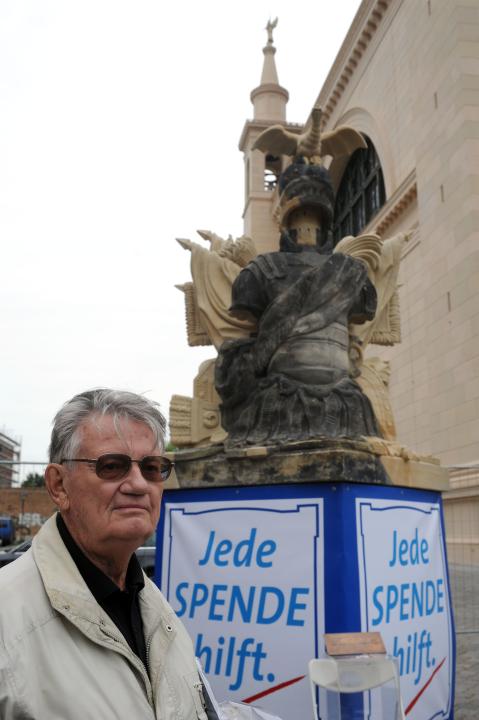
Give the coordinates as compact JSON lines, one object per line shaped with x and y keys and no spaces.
{"x":261,"y":550}
{"x":367,"y":460}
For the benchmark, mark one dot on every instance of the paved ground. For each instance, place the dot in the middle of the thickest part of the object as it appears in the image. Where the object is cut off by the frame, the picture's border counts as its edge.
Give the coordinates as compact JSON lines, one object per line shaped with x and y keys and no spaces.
{"x":465,"y":594}
{"x":466,"y":706}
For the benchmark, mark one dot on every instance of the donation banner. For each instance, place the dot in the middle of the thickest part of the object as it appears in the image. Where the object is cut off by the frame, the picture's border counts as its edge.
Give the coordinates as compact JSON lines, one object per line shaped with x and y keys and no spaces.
{"x":404,"y":594}
{"x":245,"y":574}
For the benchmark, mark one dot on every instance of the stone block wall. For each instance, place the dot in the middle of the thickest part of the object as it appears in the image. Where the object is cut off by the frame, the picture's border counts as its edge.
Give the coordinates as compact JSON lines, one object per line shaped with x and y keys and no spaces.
{"x":407,"y":75}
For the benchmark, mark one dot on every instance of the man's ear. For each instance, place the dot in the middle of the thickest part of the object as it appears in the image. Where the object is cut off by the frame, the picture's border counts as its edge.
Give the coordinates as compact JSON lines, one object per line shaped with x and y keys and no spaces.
{"x":54,"y":481}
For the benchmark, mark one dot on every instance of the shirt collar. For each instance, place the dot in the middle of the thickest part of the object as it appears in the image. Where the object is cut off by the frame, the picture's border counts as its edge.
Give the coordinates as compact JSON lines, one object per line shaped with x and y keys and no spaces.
{"x":99,"y":584}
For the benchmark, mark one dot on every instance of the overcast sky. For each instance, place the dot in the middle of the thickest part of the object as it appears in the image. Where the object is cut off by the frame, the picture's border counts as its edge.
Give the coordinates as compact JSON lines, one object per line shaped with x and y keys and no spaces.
{"x":119,"y":129}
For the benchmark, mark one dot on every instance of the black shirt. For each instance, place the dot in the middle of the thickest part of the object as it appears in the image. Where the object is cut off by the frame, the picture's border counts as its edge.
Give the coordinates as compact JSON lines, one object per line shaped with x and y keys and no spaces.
{"x":122,"y":606}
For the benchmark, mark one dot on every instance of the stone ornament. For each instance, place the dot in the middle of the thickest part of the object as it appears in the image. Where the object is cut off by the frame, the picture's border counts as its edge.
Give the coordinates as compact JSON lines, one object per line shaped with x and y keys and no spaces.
{"x":312,"y":144}
{"x":269,"y":29}
{"x":208,"y":298}
{"x":374,"y":381}
{"x":196,"y":421}
{"x":291,"y":327}
{"x":382,"y":258}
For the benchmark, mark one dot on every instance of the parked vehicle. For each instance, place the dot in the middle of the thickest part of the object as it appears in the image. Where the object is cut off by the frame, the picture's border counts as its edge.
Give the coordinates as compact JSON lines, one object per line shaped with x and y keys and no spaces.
{"x":7,"y":530}
{"x":14,"y":552}
{"x":146,"y":555}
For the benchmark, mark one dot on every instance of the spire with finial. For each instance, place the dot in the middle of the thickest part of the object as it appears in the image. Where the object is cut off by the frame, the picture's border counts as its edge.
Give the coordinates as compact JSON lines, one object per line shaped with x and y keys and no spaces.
{"x":261,"y":169}
{"x":269,"y":74}
{"x":269,"y":98}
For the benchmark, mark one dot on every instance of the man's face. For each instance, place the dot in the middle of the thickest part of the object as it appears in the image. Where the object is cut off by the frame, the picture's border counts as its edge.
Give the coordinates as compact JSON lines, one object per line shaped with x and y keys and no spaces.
{"x":106,"y":514}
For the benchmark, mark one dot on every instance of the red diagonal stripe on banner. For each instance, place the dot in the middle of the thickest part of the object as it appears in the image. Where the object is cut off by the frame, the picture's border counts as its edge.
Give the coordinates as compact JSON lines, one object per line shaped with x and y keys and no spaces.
{"x":273,"y":689}
{"x":415,"y":699}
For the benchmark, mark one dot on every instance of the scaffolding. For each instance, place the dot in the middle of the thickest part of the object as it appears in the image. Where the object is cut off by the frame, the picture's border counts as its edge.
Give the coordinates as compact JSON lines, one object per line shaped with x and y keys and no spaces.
{"x":10,"y":448}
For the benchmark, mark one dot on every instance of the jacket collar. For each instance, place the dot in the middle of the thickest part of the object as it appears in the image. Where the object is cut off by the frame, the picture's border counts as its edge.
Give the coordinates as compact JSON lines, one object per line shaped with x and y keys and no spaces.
{"x":100,"y":584}
{"x":70,"y":596}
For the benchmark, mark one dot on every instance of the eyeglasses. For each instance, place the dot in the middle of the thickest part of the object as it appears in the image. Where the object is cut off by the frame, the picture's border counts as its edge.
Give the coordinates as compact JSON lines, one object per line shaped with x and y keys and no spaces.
{"x":114,"y":466}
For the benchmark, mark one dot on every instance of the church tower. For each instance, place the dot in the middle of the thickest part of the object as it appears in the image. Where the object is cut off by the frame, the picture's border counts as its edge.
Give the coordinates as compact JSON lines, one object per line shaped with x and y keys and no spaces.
{"x":262,"y":171}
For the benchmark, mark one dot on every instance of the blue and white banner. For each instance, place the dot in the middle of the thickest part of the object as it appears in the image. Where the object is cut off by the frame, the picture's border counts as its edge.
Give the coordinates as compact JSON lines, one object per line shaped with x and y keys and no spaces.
{"x":246,"y":577}
{"x":404,"y":594}
{"x":258,"y":574}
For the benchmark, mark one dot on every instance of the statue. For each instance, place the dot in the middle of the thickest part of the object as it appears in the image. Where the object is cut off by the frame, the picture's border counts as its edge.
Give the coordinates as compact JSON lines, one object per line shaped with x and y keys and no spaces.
{"x":269,"y":29}
{"x":292,"y":379}
{"x":291,"y":346}
{"x":311,"y":144}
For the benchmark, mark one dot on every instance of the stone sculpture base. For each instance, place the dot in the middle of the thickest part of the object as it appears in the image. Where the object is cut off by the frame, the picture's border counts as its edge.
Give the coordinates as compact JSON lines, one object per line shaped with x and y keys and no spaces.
{"x":366,"y":460}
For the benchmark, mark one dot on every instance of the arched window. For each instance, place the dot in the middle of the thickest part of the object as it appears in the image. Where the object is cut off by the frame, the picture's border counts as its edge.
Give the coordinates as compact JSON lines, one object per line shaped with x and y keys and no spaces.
{"x":272,"y":171}
{"x":360,"y":194}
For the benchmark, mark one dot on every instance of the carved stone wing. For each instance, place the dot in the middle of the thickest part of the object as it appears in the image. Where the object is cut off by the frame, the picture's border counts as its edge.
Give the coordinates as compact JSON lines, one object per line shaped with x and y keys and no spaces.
{"x":208,"y":297}
{"x":195,"y":331}
{"x":277,"y":141}
{"x":342,"y":141}
{"x":367,"y":248}
{"x":382,"y":259}
{"x":311,"y":143}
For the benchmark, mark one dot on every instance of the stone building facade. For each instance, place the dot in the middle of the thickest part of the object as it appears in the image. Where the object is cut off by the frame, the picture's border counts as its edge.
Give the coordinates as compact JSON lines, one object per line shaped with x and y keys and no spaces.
{"x":407,"y":77}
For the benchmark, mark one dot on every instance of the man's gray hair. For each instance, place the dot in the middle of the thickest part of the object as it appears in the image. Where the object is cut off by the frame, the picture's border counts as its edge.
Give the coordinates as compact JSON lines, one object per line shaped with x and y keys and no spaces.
{"x":118,"y":404}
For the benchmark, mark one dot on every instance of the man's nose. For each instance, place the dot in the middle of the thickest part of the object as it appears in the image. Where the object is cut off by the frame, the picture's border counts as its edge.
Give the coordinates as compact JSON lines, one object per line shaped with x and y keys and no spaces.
{"x":135,"y":479}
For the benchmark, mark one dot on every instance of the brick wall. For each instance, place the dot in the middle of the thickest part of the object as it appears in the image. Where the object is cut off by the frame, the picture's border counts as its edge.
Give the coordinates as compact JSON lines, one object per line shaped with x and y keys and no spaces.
{"x":29,"y":506}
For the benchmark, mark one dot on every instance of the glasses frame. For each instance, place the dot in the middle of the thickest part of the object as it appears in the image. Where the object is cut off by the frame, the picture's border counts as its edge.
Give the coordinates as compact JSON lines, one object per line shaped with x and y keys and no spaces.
{"x":130,"y":461}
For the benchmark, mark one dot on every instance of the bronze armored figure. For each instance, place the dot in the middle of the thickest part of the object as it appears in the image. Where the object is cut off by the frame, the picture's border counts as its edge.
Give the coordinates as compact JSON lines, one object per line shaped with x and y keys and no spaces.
{"x":292,"y":379}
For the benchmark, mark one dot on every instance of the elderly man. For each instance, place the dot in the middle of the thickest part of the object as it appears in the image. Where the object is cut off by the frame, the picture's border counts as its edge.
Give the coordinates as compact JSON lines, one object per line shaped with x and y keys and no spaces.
{"x":83,"y":632}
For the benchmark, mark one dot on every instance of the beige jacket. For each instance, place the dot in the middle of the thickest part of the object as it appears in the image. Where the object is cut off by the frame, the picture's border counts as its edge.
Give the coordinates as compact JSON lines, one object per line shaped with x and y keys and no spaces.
{"x":62,"y":658}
